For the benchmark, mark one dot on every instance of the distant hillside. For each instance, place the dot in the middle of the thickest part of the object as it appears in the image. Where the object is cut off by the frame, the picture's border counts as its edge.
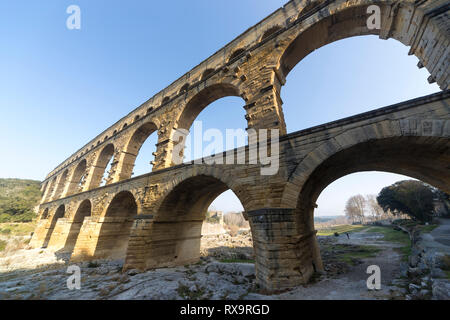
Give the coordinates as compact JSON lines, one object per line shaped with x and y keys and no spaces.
{"x":18,"y":197}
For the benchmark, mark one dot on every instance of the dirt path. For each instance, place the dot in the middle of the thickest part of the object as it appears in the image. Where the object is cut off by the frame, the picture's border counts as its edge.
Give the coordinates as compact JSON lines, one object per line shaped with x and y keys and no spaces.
{"x":352,"y":285}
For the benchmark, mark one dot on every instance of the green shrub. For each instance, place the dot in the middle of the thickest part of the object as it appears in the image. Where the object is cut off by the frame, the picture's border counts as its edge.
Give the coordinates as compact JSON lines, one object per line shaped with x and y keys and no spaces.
{"x":17,"y":199}
{"x":5,"y":231}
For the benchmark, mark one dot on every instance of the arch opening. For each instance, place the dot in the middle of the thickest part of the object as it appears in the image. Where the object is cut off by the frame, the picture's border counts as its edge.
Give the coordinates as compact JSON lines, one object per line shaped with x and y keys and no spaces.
{"x":177,"y":226}
{"x":422,"y":159}
{"x":165,"y":100}
{"x":44,"y":191}
{"x":84,"y":210}
{"x":59,"y":213}
{"x":354,"y":71}
{"x":206,"y":74}
{"x":201,"y":100}
{"x":184,"y":88}
{"x":115,"y":231}
{"x":45,"y":214}
{"x":216,"y":127}
{"x":49,"y":192}
{"x":347,"y":23}
{"x":137,"y":156}
{"x":236,"y":53}
{"x":332,"y":201}
{"x":78,"y":178}
{"x":102,"y":171}
{"x":270,"y":32}
{"x":62,"y":183}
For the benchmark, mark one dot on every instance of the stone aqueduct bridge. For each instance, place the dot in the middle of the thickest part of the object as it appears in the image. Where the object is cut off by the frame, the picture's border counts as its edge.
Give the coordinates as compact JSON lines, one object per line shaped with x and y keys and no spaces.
{"x":155,"y":219}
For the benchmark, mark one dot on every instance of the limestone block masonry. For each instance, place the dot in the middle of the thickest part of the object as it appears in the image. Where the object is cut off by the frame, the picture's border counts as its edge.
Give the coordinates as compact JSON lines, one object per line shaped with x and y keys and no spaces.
{"x":155,"y":219}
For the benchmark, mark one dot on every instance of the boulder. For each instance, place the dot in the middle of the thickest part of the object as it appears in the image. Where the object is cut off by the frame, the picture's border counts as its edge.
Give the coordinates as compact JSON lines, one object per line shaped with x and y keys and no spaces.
{"x":413,"y":260}
{"x":438,"y":273}
{"x":424,"y":293}
{"x":132,"y":272}
{"x":441,"y":289}
{"x":413,"y":287}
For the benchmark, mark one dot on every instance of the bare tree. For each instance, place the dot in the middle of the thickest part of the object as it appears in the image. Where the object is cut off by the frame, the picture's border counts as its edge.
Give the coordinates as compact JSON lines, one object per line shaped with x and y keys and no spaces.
{"x":350,"y":211}
{"x":375,"y":209}
{"x":354,"y":208}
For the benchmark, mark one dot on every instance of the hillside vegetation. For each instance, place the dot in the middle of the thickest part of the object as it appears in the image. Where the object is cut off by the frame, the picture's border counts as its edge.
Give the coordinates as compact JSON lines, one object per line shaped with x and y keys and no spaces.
{"x":17,"y":199}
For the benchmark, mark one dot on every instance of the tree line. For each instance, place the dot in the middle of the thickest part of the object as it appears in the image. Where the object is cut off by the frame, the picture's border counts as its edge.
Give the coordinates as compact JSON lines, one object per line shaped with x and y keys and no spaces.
{"x":411,"y":198}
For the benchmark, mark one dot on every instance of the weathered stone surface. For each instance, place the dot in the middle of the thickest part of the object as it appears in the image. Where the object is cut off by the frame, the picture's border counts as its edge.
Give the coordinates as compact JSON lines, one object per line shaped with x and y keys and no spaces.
{"x":441,"y":289}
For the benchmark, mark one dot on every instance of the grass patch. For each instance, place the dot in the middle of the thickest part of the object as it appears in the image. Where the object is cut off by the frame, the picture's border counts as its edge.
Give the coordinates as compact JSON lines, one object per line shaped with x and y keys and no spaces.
{"x":447,"y":273}
{"x":2,"y":245}
{"x":399,"y":237}
{"x":391,"y":235}
{"x":408,"y":223}
{"x":446,"y":265}
{"x":185,"y":293}
{"x":350,"y":253}
{"x":428,"y":228}
{"x":237,"y":261}
{"x":340,"y":229}
{"x":17,"y":229}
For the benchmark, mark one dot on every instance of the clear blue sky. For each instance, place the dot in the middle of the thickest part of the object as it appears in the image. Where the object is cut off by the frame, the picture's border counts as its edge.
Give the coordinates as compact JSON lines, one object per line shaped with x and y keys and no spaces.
{"x":59,"y":88}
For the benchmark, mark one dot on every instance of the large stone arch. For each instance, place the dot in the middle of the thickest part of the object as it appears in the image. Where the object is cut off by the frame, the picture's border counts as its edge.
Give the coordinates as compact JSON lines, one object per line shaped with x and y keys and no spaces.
{"x":59,"y":213}
{"x":203,"y":171}
{"x":387,"y":132}
{"x":191,"y":110}
{"x":385,"y":147}
{"x":173,"y":236}
{"x":116,"y":223}
{"x":78,"y":175}
{"x":343,"y":19}
{"x":322,"y":22}
{"x":202,"y":99}
{"x":45,"y":214}
{"x":131,"y":149}
{"x":49,"y":192}
{"x":44,"y":191}
{"x":84,"y":210}
{"x":61,"y":184}
{"x":98,"y":169}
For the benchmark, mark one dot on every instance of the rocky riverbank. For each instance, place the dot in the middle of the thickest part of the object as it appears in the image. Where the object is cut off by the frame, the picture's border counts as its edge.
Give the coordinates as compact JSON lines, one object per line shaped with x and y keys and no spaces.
{"x":428,"y":266}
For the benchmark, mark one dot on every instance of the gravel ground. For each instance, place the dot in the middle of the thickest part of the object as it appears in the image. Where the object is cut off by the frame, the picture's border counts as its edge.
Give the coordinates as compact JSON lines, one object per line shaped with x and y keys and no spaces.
{"x":38,"y":274}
